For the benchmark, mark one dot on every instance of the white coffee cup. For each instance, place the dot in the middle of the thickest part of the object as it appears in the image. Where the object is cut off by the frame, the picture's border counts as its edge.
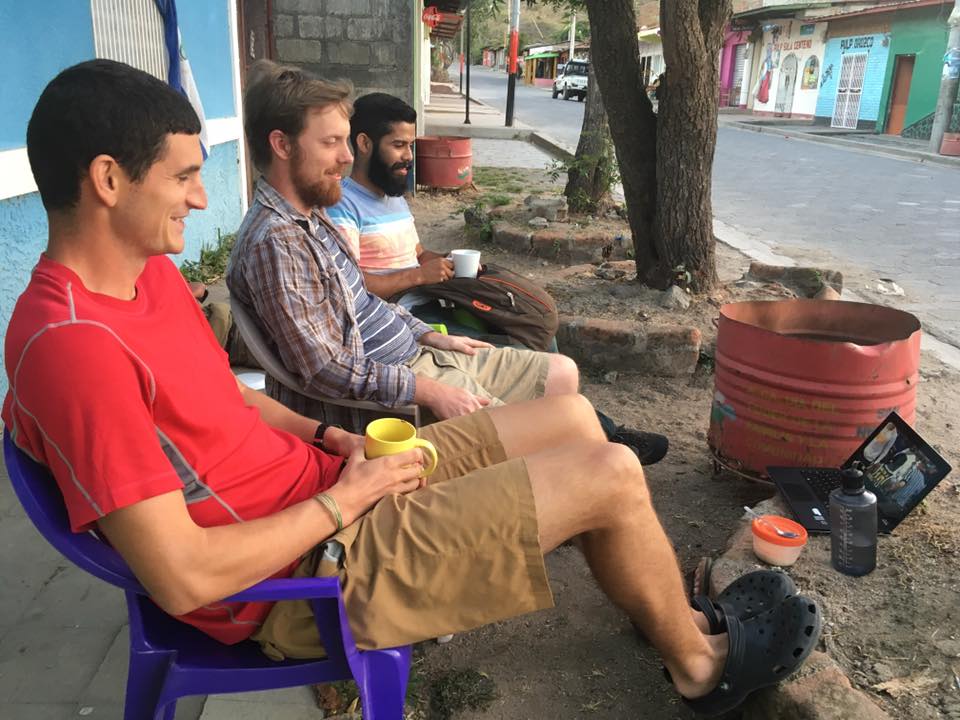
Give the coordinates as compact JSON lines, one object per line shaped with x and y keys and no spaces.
{"x":466,"y":263}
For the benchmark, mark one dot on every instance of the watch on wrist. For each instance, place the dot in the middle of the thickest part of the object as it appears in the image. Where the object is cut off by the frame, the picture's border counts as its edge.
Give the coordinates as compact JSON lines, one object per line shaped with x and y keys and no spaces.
{"x":318,"y":436}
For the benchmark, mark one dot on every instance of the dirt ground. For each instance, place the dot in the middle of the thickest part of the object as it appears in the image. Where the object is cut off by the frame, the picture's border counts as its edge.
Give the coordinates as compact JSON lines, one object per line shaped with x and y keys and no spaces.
{"x":898,"y":626}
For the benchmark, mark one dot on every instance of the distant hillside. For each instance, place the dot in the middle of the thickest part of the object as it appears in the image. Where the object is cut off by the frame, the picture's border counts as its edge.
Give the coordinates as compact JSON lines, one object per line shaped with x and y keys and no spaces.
{"x":538,"y":24}
{"x":543,"y":24}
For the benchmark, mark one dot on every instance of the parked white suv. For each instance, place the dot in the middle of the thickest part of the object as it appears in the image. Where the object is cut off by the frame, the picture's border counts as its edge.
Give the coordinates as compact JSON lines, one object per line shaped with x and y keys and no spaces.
{"x":572,"y":80}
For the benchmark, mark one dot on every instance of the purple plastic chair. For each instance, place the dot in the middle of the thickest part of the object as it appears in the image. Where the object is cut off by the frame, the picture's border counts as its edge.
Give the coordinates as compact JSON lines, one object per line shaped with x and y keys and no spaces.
{"x":170,"y":659}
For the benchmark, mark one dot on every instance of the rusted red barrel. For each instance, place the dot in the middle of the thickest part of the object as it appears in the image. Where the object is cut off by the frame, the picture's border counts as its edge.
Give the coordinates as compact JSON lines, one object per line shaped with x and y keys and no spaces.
{"x":444,"y":162}
{"x":803,"y":382}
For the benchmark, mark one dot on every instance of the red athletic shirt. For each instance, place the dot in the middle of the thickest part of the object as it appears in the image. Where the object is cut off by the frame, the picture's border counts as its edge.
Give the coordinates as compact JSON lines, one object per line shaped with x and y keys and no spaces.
{"x":126,"y":400}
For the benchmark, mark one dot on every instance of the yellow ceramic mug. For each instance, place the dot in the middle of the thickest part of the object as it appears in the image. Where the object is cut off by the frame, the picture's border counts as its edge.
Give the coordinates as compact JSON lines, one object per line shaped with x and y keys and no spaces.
{"x":389,"y":436}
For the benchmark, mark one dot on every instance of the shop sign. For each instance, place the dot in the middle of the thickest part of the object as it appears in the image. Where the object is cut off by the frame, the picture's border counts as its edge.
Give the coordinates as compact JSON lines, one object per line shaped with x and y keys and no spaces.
{"x":864,"y":42}
{"x":431,"y":16}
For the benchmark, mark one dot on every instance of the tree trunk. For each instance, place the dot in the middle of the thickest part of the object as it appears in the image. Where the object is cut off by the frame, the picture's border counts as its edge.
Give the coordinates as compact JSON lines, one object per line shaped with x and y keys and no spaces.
{"x":592,"y":172}
{"x":692,"y":32}
{"x":615,"y":56}
{"x":665,"y":160}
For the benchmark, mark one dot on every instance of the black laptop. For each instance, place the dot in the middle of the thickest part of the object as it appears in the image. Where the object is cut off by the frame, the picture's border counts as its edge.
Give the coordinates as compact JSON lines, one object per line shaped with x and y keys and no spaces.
{"x":898,"y":466}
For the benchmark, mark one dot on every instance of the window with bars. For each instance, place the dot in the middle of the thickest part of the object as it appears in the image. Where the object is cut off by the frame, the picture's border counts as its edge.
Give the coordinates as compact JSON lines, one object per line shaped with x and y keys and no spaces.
{"x":130,"y":31}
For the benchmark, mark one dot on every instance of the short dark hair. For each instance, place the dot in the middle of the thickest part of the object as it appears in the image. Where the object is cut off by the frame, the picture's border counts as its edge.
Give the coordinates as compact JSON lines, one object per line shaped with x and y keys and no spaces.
{"x":101,"y":107}
{"x":278,"y":97}
{"x":374,"y":114}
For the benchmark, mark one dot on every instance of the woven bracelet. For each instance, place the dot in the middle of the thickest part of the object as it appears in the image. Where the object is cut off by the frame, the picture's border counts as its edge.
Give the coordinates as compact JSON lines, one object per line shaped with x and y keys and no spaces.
{"x":331,"y":505}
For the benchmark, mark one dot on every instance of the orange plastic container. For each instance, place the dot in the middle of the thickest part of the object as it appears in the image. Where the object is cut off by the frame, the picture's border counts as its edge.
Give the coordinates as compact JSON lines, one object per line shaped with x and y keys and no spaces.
{"x":444,"y":162}
{"x":775,"y":549}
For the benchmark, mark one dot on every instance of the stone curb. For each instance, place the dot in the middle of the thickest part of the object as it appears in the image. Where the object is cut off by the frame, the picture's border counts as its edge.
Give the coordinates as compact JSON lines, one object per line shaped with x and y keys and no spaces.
{"x":617,"y":345}
{"x":904,"y":153}
{"x":552,"y":146}
{"x":478,"y":131}
{"x":560,"y":244}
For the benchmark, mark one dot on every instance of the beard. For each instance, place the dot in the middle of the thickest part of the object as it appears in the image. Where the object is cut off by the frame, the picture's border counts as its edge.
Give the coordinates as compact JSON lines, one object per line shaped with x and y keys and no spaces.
{"x":386,"y":178}
{"x":323,"y":193}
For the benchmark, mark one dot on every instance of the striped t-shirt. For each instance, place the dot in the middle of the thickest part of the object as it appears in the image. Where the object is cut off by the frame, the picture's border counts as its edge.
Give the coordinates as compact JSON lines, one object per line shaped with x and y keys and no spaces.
{"x":386,"y":338}
{"x":380,"y":229}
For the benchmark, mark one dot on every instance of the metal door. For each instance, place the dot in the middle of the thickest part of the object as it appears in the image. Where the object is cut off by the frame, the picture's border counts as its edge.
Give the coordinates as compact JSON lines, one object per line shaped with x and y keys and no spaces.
{"x":788,"y":81}
{"x":736,"y":85}
{"x":846,"y":110}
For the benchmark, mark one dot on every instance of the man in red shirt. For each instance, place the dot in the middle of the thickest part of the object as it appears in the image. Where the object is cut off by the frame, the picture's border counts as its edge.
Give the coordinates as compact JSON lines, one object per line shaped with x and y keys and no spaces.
{"x":206,"y":487}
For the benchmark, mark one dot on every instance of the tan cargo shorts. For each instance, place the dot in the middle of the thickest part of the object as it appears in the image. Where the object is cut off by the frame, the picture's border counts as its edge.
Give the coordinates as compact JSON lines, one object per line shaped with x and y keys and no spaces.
{"x":460,"y":553}
{"x":501,"y":374}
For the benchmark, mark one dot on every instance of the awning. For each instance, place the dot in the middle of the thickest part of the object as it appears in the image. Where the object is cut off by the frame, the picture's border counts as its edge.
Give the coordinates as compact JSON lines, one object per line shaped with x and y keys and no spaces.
{"x":453,"y":17}
{"x":772,"y":12}
{"x":648,"y":35}
{"x":538,"y":56}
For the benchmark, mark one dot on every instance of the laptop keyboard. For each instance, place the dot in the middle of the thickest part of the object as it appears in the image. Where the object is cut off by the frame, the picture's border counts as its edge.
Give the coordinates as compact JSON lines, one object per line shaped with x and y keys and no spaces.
{"x":822,"y":481}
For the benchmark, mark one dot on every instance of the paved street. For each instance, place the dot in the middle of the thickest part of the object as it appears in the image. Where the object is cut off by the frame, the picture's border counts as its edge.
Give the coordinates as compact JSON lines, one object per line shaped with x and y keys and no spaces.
{"x":819,"y":204}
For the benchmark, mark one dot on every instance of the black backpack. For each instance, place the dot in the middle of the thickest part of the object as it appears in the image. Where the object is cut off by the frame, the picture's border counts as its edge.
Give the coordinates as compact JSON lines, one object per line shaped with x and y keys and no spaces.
{"x":504,"y":300}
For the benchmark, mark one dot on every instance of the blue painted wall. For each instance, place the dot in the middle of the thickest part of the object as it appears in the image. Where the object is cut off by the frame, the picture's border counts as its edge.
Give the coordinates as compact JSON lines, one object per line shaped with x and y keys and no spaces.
{"x":205,"y":30}
{"x":37,"y":40}
{"x":878,"y":49}
{"x":221,"y":178}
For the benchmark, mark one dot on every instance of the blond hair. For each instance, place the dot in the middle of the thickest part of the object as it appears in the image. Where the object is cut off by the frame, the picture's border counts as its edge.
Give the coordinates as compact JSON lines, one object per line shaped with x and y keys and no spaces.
{"x":278,"y":97}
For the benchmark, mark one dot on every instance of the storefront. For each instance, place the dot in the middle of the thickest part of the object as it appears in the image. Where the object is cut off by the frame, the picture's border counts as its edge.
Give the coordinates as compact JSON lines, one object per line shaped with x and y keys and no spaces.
{"x":788,"y":63}
{"x":540,"y":68}
{"x":852,"y":76}
{"x":918,"y":41}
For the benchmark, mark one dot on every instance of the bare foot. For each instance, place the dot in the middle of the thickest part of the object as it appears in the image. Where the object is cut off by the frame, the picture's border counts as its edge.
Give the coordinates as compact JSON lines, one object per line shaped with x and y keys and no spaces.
{"x":701,"y":620}
{"x":700,"y":674}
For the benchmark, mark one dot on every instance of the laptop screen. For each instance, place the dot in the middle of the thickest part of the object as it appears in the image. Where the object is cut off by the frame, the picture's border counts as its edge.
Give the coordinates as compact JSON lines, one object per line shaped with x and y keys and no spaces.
{"x":899,"y":466}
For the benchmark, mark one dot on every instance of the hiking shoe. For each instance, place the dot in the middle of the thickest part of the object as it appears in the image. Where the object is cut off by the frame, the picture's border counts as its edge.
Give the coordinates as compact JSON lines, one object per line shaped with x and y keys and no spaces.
{"x":649,"y":447}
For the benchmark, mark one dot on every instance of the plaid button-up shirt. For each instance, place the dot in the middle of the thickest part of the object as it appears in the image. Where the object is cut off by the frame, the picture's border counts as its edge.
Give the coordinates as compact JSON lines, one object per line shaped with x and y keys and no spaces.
{"x":281,"y":272}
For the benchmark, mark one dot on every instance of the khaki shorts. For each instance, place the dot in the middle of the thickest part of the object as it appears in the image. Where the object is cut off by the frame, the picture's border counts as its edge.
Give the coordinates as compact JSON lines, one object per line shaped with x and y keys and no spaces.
{"x":460,"y":553}
{"x":502,"y":374}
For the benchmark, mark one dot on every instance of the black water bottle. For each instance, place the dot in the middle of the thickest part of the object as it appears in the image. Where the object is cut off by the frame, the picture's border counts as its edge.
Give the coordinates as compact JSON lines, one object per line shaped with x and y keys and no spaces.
{"x":853,"y":525}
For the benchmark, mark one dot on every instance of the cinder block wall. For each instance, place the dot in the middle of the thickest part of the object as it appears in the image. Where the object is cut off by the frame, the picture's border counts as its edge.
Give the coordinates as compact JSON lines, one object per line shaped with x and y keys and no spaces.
{"x":369,"y":42}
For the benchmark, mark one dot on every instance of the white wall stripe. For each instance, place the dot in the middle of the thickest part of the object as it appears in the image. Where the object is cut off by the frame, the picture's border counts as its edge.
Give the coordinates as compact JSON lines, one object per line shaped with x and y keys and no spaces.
{"x":15,"y":175}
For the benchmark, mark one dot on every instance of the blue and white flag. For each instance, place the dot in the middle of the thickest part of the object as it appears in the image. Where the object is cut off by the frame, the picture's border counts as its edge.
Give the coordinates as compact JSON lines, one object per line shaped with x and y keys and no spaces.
{"x":179,"y":74}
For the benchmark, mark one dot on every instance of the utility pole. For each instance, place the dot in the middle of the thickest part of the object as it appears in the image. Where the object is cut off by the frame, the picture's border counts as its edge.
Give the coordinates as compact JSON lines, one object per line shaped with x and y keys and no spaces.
{"x":949,"y":81}
{"x":466,"y":119}
{"x":512,"y":64}
{"x":461,"y":59}
{"x":573,"y":35}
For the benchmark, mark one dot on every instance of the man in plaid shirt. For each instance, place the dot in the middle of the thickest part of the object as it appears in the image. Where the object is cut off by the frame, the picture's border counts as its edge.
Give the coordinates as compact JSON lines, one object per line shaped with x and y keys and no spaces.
{"x":296,"y":273}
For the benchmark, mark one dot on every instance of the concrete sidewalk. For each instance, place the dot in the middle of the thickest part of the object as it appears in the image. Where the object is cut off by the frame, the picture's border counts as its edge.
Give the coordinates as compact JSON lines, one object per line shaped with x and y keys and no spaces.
{"x":867,"y":142}
{"x":446,"y":112}
{"x":63,"y":633}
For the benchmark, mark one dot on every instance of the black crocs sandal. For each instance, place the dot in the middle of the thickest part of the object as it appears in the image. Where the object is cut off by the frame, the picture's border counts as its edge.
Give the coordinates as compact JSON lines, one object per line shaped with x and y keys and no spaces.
{"x":764,"y":650}
{"x":745,"y":597}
